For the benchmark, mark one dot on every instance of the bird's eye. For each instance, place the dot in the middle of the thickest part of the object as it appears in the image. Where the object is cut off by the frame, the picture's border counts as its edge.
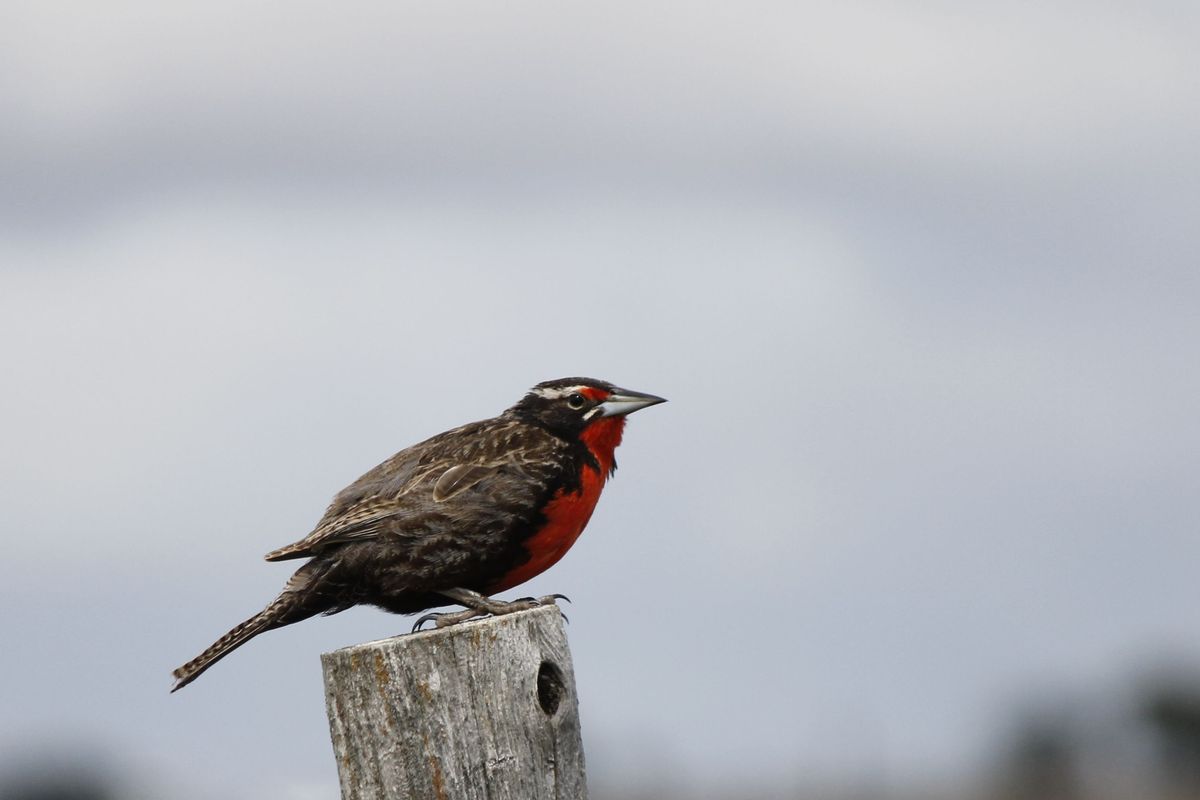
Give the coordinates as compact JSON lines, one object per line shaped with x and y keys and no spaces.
{"x":576,"y":400}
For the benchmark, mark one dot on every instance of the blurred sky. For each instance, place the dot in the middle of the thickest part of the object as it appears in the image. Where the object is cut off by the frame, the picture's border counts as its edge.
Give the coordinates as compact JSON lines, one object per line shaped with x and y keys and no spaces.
{"x":921,"y":281}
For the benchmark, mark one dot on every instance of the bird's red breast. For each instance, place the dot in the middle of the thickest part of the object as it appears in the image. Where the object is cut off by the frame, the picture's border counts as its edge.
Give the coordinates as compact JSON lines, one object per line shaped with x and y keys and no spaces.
{"x":567,"y":513}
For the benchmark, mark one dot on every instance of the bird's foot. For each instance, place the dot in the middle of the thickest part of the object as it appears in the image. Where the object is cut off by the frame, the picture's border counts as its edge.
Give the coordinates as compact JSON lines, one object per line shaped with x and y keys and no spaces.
{"x":546,"y":600}
{"x":444,"y":619}
{"x":481,"y":606}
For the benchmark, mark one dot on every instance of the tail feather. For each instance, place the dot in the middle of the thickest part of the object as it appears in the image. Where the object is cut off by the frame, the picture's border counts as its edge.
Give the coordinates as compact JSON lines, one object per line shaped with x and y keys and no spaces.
{"x":238,"y":636}
{"x":289,"y":607}
{"x":301,"y":598}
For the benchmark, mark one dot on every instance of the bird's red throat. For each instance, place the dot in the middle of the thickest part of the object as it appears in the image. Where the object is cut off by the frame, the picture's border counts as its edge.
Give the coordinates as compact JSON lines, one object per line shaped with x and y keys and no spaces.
{"x":567,"y":513}
{"x":602,"y":437}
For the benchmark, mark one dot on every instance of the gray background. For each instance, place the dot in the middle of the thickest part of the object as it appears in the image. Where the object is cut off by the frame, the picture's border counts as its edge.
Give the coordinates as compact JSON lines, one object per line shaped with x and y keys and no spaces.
{"x":919,"y":279}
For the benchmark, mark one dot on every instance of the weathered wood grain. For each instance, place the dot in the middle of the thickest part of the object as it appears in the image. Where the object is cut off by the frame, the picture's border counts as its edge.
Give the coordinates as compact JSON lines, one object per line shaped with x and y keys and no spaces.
{"x":484,"y":709}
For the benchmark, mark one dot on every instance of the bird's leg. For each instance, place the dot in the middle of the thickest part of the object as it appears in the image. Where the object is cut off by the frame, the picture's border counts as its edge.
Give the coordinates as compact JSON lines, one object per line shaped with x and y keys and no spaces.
{"x":480,"y":605}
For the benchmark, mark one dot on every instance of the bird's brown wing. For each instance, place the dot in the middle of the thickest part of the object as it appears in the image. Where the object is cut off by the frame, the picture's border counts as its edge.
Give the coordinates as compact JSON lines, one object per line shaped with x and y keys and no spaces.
{"x":494,"y":462}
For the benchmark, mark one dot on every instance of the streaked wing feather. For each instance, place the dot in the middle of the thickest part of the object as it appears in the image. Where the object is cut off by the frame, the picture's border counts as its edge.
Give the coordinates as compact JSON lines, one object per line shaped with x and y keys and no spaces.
{"x":454,"y":462}
{"x":360,"y":522}
{"x":460,"y":477}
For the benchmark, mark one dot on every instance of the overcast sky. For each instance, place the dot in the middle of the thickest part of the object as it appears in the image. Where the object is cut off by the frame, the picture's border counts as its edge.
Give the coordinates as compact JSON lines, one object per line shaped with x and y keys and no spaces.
{"x":920,"y":281}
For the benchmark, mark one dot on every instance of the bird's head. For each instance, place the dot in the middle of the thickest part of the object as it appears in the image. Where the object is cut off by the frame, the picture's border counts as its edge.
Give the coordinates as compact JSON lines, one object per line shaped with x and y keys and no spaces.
{"x":584,"y":408}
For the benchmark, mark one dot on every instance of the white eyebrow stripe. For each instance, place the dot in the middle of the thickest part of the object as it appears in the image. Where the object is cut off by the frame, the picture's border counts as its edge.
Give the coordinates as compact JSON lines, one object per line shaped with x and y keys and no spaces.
{"x":551,"y":393}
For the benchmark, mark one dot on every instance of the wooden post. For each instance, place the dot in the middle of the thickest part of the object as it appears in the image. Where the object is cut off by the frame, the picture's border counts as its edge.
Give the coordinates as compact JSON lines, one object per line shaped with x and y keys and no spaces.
{"x":483,"y":709}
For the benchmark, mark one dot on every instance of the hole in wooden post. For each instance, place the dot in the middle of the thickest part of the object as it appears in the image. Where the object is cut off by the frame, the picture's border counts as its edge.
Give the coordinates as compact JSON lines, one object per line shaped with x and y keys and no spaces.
{"x":550,"y":687}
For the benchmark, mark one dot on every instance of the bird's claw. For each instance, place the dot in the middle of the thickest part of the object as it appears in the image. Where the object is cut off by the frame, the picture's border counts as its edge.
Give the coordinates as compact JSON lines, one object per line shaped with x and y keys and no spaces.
{"x":444,"y":619}
{"x":545,"y":600}
{"x":551,"y":599}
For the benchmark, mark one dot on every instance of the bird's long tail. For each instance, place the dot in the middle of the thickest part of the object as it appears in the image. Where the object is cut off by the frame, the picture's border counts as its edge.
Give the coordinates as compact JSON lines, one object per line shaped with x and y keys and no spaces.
{"x":238,"y":636}
{"x":298,"y":601}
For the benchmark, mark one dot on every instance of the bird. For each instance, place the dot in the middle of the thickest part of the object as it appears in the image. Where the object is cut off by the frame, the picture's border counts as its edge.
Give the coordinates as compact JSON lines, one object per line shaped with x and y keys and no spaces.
{"x":455,"y":519}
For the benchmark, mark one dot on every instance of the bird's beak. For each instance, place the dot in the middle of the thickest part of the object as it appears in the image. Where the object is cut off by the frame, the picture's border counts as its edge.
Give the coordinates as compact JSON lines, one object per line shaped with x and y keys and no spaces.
{"x":623,"y":401}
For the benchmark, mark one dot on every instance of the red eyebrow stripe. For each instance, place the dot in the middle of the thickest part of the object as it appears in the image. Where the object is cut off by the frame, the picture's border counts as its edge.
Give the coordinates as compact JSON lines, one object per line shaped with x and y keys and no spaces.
{"x":592,"y":393}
